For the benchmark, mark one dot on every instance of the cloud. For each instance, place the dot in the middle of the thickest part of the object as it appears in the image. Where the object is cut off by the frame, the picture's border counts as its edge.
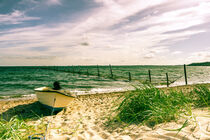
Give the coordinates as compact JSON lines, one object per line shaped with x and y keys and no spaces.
{"x":39,"y":49}
{"x":54,"y":2}
{"x":200,"y":56}
{"x":177,"y":52}
{"x":16,"y":17}
{"x":99,"y":33}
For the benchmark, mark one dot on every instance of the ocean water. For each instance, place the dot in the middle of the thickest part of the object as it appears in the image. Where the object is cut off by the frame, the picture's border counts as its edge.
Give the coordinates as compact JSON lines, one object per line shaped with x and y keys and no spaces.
{"x":23,"y":80}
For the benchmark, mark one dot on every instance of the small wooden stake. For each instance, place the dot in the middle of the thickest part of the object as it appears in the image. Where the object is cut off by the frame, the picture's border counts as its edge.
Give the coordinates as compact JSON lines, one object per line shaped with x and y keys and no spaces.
{"x":79,"y":70}
{"x":167,"y":79}
{"x":150,"y":79}
{"x":87,"y":73}
{"x":69,"y":69}
{"x":185,"y":74}
{"x":111,"y":71}
{"x":98,"y":71}
{"x":72,"y":69}
{"x":129,"y":76}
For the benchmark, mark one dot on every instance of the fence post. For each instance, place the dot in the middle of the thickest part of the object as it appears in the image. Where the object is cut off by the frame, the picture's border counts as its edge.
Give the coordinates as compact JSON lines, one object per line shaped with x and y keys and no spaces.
{"x":98,"y":71}
{"x":129,"y":76}
{"x":150,"y":79}
{"x":111,"y":71}
{"x":167,"y":79}
{"x":185,"y":74}
{"x":87,"y":73}
{"x":79,"y":70}
{"x":68,"y":68}
{"x":72,"y":69}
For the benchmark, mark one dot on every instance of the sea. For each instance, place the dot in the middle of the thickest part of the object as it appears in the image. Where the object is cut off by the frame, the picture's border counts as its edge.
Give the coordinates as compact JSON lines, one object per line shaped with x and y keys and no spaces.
{"x":22,"y":80}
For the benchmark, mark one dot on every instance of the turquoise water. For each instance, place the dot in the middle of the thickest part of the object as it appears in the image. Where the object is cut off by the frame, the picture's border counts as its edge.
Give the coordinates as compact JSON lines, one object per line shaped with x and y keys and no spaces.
{"x":22,"y":80}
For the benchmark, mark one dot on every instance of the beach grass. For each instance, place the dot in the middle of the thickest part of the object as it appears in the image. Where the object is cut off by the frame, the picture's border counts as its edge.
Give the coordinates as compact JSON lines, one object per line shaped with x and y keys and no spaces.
{"x":201,"y":96}
{"x":19,"y":129}
{"x":17,"y":123}
{"x":149,"y":105}
{"x":14,"y":129}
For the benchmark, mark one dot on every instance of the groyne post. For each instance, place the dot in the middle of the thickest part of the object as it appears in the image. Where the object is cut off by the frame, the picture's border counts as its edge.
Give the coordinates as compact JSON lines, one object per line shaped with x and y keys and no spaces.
{"x":87,"y":73}
{"x":110,"y":67}
{"x":150,"y":79}
{"x":79,"y":70}
{"x":185,"y":74}
{"x":72,"y":69}
{"x":69,"y":69}
{"x":98,"y":71}
{"x":129,"y":76}
{"x":167,"y":79}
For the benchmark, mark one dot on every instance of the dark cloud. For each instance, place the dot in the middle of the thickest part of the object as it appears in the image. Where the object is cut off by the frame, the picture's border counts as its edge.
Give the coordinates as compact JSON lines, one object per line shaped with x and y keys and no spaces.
{"x":85,"y":44}
{"x":39,"y":49}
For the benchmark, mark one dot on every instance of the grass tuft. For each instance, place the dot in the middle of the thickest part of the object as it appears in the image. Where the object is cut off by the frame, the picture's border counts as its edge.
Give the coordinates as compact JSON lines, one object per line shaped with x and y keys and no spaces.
{"x":14,"y":129}
{"x":201,"y":96}
{"x":152,"y":106}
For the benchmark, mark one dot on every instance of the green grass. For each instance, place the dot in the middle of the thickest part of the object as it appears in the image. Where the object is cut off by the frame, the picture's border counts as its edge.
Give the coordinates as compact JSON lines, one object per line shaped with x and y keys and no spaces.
{"x":19,"y":129}
{"x":15,"y":129}
{"x":16,"y":123}
{"x":151,"y":106}
{"x":201,"y":96}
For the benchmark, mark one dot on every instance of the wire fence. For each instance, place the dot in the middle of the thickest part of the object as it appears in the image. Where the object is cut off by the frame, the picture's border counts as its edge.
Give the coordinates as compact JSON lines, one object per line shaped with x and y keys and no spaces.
{"x":157,"y":75}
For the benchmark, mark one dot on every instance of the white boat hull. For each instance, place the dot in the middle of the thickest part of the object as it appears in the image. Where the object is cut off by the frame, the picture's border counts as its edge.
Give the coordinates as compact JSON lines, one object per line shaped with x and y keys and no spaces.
{"x":53,"y":99}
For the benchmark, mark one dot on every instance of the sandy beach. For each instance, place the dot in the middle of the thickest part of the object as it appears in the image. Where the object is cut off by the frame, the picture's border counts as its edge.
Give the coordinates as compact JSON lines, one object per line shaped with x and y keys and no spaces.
{"x":105,"y":69}
{"x":86,"y":119}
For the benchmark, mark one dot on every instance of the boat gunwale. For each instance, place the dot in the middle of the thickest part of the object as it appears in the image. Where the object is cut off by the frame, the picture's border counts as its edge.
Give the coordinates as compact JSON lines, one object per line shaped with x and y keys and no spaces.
{"x":59,"y":92}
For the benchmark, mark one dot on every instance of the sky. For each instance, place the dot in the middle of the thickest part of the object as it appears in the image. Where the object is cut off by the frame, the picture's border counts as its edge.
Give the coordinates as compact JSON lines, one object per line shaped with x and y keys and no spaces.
{"x":91,"y":32}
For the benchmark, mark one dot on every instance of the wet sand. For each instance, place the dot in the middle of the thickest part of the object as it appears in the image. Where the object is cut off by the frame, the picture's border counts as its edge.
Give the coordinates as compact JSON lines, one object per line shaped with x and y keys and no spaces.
{"x":85,"y":119}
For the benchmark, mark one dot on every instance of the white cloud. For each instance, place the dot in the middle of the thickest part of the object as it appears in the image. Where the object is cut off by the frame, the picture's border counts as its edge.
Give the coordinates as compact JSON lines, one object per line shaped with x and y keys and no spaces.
{"x":54,"y":2}
{"x":123,"y":44}
{"x":16,"y":17}
{"x":177,"y":52}
{"x":200,"y":56}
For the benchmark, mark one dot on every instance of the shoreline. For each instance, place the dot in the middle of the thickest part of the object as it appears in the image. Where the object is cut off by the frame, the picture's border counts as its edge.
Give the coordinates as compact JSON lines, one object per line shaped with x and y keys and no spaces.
{"x":95,"y":91}
{"x":23,"y":97}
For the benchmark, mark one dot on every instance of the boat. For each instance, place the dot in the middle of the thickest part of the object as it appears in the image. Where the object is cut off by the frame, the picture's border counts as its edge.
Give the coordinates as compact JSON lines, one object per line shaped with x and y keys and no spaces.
{"x":54,"y":99}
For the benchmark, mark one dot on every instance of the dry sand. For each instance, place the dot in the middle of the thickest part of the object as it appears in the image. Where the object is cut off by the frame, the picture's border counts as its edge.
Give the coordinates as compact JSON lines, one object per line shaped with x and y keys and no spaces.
{"x":84,"y":119}
{"x":6,"y":104}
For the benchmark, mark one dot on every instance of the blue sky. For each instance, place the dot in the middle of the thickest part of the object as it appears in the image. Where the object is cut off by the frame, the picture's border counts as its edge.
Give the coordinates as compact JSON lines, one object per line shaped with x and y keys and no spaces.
{"x":118,"y":32}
